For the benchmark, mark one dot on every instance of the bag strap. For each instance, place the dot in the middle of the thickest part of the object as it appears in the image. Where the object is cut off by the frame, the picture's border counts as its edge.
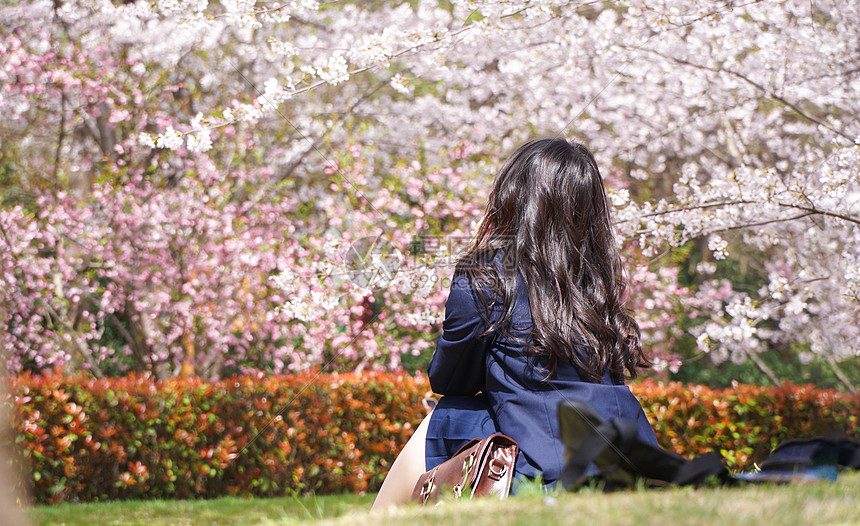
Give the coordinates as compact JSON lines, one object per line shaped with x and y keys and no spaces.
{"x":466,"y":446}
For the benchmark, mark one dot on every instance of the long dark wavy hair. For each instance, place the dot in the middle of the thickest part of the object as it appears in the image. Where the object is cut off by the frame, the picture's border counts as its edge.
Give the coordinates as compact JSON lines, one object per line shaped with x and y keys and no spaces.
{"x":549,"y":216}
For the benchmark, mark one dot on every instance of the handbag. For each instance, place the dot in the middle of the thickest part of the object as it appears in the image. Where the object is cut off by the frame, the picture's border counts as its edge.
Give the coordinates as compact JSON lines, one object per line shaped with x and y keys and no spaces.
{"x":481,"y":467}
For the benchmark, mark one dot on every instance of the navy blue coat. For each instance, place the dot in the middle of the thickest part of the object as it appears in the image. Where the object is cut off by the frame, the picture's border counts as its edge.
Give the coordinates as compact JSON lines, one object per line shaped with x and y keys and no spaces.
{"x":523,"y":405}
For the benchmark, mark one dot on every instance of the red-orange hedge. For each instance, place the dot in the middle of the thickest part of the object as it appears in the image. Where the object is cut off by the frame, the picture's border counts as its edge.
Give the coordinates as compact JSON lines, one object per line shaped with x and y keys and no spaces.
{"x":133,"y":437}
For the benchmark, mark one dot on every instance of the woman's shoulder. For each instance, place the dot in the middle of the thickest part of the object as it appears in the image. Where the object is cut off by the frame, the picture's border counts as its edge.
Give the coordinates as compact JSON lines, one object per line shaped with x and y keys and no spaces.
{"x":471,"y":294}
{"x":479,"y":284}
{"x":474,"y":273}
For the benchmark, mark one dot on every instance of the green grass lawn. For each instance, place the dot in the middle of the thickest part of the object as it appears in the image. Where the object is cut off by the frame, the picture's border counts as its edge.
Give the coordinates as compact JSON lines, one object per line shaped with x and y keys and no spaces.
{"x":227,"y":511}
{"x":814,"y":504}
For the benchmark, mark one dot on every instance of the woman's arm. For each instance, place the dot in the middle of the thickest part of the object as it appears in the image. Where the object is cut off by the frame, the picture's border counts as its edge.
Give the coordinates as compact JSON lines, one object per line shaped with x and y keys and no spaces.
{"x":458,"y":365}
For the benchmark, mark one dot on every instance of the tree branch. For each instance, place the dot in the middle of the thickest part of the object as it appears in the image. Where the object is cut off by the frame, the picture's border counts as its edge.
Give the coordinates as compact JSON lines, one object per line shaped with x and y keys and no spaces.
{"x":761,"y":223}
{"x":756,"y":85}
{"x":813,"y":210}
{"x":763,"y":368}
{"x":691,"y":207}
{"x":807,"y":211}
{"x":840,"y":375}
{"x":60,"y":140}
{"x":83,"y":351}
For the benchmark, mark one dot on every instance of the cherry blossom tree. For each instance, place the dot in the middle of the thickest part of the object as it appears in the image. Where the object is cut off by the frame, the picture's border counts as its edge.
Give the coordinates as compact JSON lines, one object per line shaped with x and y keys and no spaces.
{"x":731,"y":122}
